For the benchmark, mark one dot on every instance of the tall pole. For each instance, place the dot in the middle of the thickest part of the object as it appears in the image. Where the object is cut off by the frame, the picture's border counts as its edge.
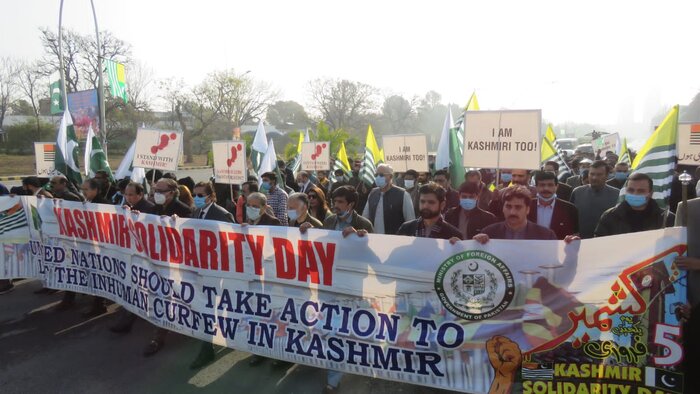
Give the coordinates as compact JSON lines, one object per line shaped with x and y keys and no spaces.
{"x":62,"y":71}
{"x":100,"y":82}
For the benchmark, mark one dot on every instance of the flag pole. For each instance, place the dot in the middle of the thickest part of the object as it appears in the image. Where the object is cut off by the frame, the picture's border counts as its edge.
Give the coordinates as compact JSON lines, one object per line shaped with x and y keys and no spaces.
{"x":62,"y":73}
{"x":100,"y":82}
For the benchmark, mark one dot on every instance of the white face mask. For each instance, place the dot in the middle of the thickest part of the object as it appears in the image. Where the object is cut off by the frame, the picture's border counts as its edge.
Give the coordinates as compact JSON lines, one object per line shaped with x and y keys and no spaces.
{"x":159,"y":198}
{"x":293,"y":215}
{"x":409,"y":183}
{"x":252,"y":213}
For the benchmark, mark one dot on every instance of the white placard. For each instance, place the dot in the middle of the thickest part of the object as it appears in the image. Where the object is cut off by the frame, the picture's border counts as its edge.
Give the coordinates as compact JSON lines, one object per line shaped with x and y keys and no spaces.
{"x":502,"y":139}
{"x":315,"y":156}
{"x":607,"y":143}
{"x":44,"y":156}
{"x":406,"y":152}
{"x":159,"y":149}
{"x":689,"y":143}
{"x":229,"y":161}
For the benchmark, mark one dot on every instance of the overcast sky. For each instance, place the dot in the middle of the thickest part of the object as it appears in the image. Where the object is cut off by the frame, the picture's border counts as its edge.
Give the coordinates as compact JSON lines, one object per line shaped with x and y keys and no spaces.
{"x":583,"y":61}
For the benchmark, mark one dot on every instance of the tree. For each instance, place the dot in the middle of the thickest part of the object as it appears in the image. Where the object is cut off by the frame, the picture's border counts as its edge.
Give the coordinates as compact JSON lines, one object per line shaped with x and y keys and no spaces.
{"x":241,"y":99}
{"x":342,"y":103}
{"x":8,"y":85}
{"x":288,"y":115}
{"x":324,"y":132}
{"x":398,"y":115}
{"x":31,"y":84}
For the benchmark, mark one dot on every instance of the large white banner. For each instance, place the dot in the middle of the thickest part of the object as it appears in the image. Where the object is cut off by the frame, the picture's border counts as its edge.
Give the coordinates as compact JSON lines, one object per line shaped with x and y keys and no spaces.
{"x":689,"y":143}
{"x":229,"y":162}
{"x":44,"y":156}
{"x":158,"y":149}
{"x":406,"y":152}
{"x":315,"y":156}
{"x":507,"y":316}
{"x":502,"y":139}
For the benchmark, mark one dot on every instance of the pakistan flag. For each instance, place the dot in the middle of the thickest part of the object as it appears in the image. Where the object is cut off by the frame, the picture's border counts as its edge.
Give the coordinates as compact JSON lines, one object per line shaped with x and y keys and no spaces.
{"x":66,"y":160}
{"x":95,"y":158}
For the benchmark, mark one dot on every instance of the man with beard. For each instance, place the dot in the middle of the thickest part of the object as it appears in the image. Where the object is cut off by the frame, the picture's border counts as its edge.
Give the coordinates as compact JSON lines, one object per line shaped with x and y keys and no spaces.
{"x":548,"y":210}
{"x":430,"y":223}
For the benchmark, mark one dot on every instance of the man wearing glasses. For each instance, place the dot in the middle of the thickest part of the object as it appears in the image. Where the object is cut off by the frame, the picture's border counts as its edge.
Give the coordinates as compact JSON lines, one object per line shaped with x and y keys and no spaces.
{"x":388,"y":206}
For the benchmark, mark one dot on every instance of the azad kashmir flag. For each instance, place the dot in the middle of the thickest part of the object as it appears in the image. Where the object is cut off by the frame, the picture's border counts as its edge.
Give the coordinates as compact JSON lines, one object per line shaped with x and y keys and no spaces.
{"x":552,"y":152}
{"x":66,"y":159}
{"x":116,"y":79}
{"x":624,"y":154}
{"x":56,"y":95}
{"x":341,"y":163}
{"x":95,"y":159}
{"x":657,"y":157}
{"x":296,"y":161}
{"x":259,"y":147}
{"x":373,"y":156}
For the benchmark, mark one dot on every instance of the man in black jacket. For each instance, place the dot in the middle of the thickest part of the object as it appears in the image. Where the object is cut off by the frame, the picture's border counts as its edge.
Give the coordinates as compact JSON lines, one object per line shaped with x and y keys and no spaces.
{"x":548,"y":210}
{"x":639,"y":212}
{"x":430,"y":224}
{"x":468,"y":217}
{"x":59,"y":189}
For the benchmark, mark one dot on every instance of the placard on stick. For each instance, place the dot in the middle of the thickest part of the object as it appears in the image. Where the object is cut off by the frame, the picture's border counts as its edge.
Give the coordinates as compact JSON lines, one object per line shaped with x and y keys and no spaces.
{"x":502,"y":139}
{"x":689,"y":143}
{"x":229,"y":161}
{"x":44,"y":156}
{"x":406,"y":152}
{"x":315,"y":156}
{"x":159,"y":149}
{"x":607,"y":143}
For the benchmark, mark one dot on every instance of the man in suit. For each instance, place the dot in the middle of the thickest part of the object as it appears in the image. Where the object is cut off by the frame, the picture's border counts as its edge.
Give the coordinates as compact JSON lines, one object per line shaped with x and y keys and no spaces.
{"x":206,"y":208}
{"x":690,"y":217}
{"x":516,"y":206}
{"x":59,"y":189}
{"x":563,"y":190}
{"x":469,"y":217}
{"x":549,"y":211}
{"x":303,"y":181}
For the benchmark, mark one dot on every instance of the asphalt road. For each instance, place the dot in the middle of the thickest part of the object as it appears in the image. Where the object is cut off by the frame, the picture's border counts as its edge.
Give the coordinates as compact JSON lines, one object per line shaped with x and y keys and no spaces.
{"x":46,"y":351}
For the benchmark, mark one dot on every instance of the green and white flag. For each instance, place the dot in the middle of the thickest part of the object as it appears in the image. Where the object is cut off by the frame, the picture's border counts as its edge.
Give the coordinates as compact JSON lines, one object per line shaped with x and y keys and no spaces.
{"x":624,"y":153}
{"x":259,"y":147}
{"x":117,"y":79}
{"x":373,"y":156}
{"x":56,"y":98}
{"x":657,"y":157}
{"x":66,"y":159}
{"x":126,"y":168}
{"x":95,"y":159}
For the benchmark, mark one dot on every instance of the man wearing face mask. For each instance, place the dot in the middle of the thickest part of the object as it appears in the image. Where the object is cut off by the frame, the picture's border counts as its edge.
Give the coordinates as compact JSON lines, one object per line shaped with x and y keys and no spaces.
{"x":638,"y":212}
{"x":468,"y":218}
{"x":485,"y":195}
{"x":547,"y":210}
{"x":303,"y":181}
{"x":409,"y":180}
{"x":345,"y":218}
{"x":430,"y":223}
{"x":276,"y":197}
{"x":619,"y":176}
{"x":298,"y":212}
{"x":388,"y":206}
{"x":257,"y":213}
{"x":576,"y":180}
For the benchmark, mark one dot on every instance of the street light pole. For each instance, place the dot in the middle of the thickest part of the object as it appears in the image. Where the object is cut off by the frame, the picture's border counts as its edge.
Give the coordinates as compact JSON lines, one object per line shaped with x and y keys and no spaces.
{"x":100,"y":82}
{"x":685,"y":179}
{"x":62,"y":70}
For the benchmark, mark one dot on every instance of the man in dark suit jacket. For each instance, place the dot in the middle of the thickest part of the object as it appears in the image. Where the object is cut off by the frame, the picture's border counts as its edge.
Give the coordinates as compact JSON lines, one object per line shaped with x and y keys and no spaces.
{"x":549,"y":211}
{"x":516,"y":206}
{"x":135,"y":198}
{"x":563,"y":190}
{"x":468,"y":217}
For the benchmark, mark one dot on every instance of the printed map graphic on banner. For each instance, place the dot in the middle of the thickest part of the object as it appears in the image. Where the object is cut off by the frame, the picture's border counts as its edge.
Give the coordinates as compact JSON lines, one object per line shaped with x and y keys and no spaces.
{"x":406,"y":152}
{"x":315,"y":156}
{"x":44,"y":156}
{"x":229,"y":162}
{"x":689,"y":143}
{"x":85,"y":110}
{"x":159,"y":149}
{"x":517,"y":316}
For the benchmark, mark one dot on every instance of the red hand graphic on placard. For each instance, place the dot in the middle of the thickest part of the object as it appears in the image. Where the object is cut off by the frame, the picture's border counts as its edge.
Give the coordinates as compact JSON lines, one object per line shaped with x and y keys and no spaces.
{"x":319,"y":149}
{"x":164,"y":141}
{"x":234,"y":154}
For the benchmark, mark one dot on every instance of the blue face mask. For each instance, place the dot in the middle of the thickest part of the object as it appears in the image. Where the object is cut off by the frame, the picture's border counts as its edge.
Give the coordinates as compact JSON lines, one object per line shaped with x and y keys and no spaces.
{"x":635,"y":200}
{"x":200,"y":202}
{"x":380,"y":181}
{"x":552,"y":197}
{"x":620,"y":176}
{"x":467,"y":203}
{"x":506,"y":177}
{"x":265,"y":186}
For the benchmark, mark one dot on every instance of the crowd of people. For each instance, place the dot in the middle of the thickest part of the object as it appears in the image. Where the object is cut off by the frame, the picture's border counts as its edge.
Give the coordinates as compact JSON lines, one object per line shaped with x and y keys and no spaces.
{"x":488,"y":204}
